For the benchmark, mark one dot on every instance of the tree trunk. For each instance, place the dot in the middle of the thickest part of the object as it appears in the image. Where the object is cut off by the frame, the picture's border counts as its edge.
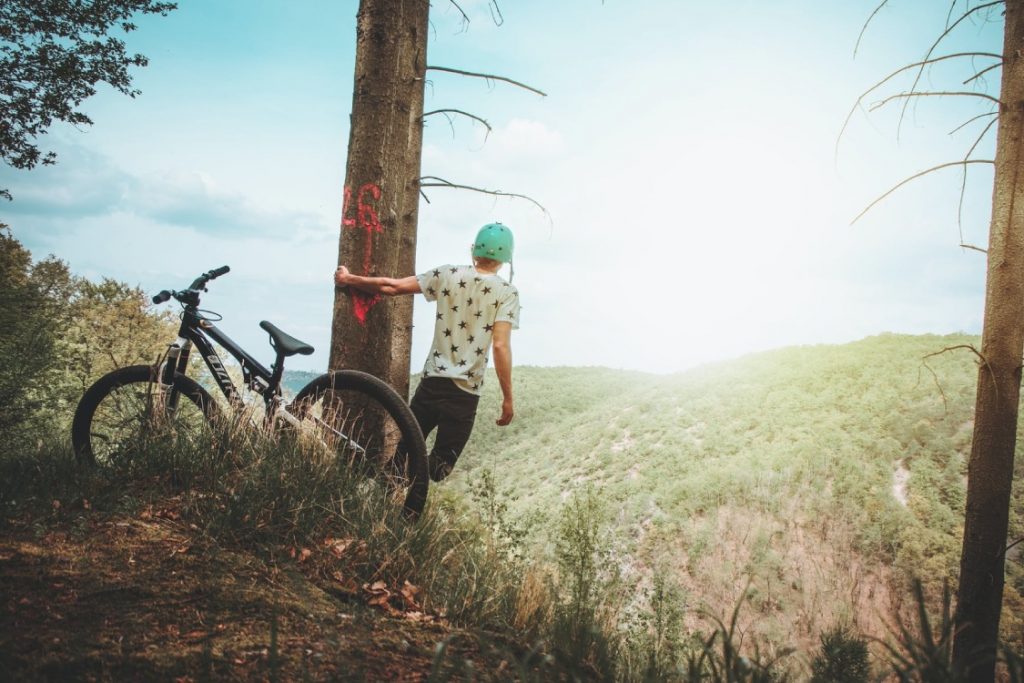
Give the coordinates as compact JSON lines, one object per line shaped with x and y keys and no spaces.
{"x":990,"y":471}
{"x":378,"y":226}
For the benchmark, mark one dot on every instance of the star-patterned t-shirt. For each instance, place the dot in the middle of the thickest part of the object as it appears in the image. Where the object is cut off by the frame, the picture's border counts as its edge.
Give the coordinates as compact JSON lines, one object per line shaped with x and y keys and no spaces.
{"x":469,"y":303}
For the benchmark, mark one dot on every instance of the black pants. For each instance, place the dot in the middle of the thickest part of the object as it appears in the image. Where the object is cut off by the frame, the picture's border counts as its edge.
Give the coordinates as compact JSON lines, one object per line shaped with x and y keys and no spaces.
{"x":439,"y":403}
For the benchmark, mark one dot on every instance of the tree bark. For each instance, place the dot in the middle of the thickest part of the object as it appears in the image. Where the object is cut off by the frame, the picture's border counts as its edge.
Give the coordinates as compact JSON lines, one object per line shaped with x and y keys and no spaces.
{"x":990,"y":471}
{"x":379,"y":214}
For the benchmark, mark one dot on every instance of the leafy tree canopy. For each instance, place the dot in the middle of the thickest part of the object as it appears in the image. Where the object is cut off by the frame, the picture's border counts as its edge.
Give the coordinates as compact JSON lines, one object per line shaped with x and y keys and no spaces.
{"x":52,"y":55}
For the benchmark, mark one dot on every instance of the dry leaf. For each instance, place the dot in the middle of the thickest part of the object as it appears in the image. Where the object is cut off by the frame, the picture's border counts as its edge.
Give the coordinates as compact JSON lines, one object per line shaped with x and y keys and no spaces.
{"x":304,"y":555}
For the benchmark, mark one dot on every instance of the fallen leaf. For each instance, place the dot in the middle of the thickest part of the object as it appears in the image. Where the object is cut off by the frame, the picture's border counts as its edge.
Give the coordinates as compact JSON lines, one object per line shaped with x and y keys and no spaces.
{"x":304,"y":555}
{"x":56,"y":505}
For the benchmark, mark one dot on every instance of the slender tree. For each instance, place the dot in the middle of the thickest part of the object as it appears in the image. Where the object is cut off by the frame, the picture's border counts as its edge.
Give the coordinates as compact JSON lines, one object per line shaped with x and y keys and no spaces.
{"x":383,"y":182}
{"x":990,"y":471}
{"x":378,"y":226}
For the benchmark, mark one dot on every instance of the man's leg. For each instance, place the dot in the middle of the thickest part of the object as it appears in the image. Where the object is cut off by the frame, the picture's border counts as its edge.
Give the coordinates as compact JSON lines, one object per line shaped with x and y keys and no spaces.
{"x":456,"y":415}
{"x":424,"y":409}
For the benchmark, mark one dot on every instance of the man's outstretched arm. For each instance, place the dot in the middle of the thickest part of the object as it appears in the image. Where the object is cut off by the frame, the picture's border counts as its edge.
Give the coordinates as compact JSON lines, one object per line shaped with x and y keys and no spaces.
{"x":502,"y":344}
{"x":388,"y":286}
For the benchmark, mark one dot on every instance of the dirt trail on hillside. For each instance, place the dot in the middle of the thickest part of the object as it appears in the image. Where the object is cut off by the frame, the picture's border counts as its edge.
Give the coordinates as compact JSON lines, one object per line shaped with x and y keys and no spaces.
{"x":111,"y":598}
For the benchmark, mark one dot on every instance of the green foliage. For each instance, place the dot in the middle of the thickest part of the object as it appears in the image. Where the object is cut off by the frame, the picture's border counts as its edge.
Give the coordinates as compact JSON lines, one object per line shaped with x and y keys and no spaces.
{"x":56,"y":52}
{"x":31,"y":313}
{"x":58,"y":334}
{"x":843,"y":658}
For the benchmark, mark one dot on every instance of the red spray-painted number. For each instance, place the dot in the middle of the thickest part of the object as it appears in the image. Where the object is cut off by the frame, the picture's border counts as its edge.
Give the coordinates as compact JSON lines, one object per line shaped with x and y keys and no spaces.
{"x":367,"y":219}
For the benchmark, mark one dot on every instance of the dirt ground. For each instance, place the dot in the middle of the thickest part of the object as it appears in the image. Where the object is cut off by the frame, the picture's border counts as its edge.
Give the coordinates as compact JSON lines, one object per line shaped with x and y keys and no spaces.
{"x":98,"y":597}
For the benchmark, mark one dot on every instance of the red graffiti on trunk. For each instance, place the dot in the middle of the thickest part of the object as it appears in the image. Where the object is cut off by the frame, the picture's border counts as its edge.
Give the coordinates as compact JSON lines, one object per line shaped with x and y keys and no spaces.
{"x":367,"y":219}
{"x":361,"y":305}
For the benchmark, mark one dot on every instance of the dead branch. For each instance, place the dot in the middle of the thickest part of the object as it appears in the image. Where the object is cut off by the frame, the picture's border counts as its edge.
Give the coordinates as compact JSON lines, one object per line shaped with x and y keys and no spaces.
{"x":983,"y":72}
{"x":441,"y":182}
{"x":968,"y":347}
{"x":935,"y":378}
{"x":446,"y":113}
{"x":930,"y":60}
{"x":973,"y":119}
{"x":496,"y":16}
{"x":963,"y":183}
{"x":937,"y":93}
{"x":465,"y":17}
{"x":489,"y":77}
{"x":864,"y":28}
{"x":971,"y":246}
{"x":915,"y":177}
{"x":949,"y":29}
{"x":1011,"y":546}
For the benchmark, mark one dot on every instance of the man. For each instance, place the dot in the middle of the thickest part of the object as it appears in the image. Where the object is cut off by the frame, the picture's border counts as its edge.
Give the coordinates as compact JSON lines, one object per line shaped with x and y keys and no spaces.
{"x":476,"y":311}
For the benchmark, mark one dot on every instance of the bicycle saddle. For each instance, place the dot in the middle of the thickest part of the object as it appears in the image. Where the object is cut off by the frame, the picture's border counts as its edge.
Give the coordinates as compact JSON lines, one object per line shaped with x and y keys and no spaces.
{"x":284,"y":343}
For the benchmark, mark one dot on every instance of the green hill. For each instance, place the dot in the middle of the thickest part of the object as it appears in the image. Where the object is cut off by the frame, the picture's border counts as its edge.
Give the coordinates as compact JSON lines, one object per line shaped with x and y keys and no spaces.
{"x":827,"y":475}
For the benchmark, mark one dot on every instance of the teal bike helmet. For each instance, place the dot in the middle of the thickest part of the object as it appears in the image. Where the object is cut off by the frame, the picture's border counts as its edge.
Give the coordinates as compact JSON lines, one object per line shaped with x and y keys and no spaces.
{"x":494,"y":241}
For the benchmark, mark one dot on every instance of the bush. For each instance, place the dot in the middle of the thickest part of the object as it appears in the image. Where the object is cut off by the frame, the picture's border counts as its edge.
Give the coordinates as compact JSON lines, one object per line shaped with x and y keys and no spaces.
{"x":843,"y":658}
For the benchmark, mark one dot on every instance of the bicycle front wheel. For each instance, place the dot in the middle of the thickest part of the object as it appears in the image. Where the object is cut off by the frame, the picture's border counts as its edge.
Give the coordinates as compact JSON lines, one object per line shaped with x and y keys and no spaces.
{"x":368,"y":424}
{"x":128,"y":406}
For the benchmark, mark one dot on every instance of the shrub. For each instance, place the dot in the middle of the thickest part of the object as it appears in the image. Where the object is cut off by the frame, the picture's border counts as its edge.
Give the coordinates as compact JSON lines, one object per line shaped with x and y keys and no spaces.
{"x":843,"y":658}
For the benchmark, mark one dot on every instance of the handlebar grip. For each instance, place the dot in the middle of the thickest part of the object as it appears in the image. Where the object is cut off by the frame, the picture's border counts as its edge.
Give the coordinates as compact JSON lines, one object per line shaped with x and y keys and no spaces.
{"x":217,"y":272}
{"x":161,"y":297}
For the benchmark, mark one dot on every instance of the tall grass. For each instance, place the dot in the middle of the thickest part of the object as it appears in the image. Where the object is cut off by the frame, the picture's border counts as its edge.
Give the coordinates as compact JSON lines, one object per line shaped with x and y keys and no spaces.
{"x":566,"y":614}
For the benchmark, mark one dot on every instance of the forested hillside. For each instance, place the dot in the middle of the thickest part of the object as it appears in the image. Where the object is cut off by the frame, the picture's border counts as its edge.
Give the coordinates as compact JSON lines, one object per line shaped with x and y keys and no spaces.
{"x":829,"y":476}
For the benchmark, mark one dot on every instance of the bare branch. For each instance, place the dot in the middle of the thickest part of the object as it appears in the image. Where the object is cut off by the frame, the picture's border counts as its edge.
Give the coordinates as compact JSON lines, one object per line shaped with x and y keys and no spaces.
{"x":864,"y":28}
{"x":949,"y":14}
{"x":1011,"y":546}
{"x":465,"y":17}
{"x":446,"y":113}
{"x":489,"y":77}
{"x":969,"y":347}
{"x":425,"y":197}
{"x":949,"y":29}
{"x":973,"y":119}
{"x":931,"y":60}
{"x":441,"y":182}
{"x":916,"y":176}
{"x":963,"y":183}
{"x":966,"y":347}
{"x":496,"y":16}
{"x":971,"y":246}
{"x":924,"y":362}
{"x":983,"y":72}
{"x":935,"y":378}
{"x":910,"y":94}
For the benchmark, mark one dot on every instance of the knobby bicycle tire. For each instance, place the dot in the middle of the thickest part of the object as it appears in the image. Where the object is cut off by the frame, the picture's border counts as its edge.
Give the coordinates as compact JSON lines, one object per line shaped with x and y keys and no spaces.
{"x":352,"y":397}
{"x":121,"y":407}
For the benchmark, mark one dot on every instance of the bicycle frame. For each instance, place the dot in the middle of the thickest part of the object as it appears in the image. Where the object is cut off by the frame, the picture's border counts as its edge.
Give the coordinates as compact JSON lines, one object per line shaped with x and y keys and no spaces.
{"x":197,"y":331}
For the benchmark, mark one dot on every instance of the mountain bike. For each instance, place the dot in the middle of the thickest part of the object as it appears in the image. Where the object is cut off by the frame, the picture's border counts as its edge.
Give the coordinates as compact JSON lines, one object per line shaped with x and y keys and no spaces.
{"x":355,"y":414}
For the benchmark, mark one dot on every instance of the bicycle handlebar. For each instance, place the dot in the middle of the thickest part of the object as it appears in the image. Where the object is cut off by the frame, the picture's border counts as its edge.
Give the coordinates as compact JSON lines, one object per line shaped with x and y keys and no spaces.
{"x":198,"y":284}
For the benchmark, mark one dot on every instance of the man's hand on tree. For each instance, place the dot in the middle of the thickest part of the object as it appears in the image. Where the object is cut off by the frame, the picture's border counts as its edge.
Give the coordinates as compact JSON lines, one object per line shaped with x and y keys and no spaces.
{"x":341,"y":276}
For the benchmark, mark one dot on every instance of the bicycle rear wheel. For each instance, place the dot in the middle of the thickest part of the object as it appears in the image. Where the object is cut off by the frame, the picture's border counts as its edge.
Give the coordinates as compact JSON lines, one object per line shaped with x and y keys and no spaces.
{"x":368,"y":424}
{"x":128,"y":406}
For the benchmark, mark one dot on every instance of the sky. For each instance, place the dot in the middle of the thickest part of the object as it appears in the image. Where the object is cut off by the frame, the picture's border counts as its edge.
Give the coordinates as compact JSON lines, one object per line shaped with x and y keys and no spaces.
{"x":698,"y":206}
